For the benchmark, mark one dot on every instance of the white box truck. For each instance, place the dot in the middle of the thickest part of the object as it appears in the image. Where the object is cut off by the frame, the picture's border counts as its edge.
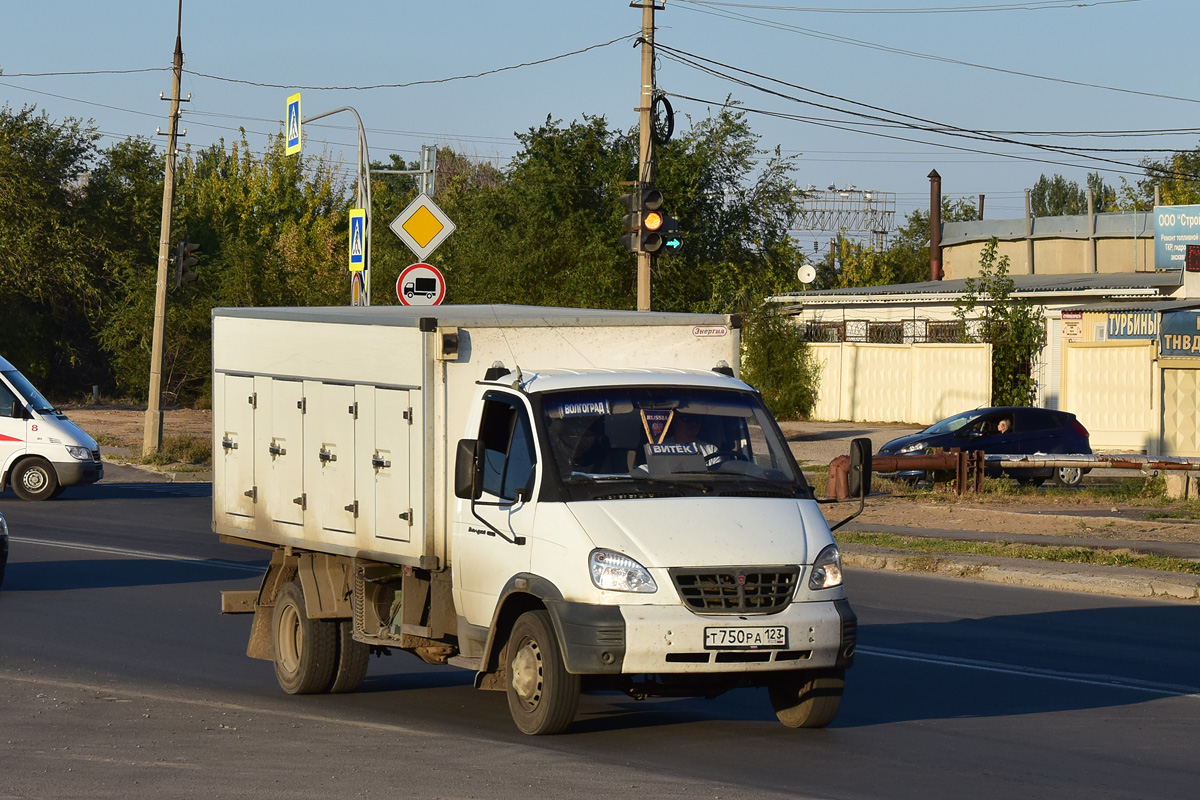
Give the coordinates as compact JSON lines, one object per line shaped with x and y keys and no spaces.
{"x":41,"y":451}
{"x":516,"y":491}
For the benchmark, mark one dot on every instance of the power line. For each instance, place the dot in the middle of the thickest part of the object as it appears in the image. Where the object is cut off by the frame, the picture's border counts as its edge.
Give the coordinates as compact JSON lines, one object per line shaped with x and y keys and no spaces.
{"x":1034,"y":5}
{"x":427,"y":82}
{"x":925,"y":125}
{"x":832,"y":37}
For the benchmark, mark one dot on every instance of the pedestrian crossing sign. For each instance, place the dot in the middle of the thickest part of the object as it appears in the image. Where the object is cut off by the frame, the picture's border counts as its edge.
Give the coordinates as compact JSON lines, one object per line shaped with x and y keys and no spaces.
{"x":358,"y":235}
{"x":293,"y":124}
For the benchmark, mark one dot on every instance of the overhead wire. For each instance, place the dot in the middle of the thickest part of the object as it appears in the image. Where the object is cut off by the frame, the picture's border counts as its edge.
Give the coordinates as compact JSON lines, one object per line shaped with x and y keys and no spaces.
{"x":910,"y":121}
{"x":426,"y":82}
{"x":839,"y":39}
{"x":1032,"y":5}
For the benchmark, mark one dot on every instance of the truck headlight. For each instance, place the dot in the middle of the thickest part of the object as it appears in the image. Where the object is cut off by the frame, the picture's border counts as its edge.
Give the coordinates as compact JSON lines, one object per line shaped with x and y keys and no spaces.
{"x":827,"y":569}
{"x":615,"y":572}
{"x":79,"y":453}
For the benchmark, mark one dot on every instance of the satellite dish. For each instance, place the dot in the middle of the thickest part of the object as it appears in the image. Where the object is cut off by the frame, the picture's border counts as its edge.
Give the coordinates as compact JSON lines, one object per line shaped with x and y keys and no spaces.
{"x":806,"y":274}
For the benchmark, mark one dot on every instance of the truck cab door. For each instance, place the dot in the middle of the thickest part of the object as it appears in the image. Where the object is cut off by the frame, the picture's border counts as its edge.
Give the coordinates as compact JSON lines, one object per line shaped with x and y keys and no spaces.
{"x":482,"y":561}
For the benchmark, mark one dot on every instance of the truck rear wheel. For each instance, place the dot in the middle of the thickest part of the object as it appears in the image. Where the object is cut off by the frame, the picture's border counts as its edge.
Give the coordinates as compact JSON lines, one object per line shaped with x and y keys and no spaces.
{"x":35,"y":479}
{"x":542,"y":695}
{"x":305,"y":649}
{"x":808,"y":699}
{"x":352,"y":660}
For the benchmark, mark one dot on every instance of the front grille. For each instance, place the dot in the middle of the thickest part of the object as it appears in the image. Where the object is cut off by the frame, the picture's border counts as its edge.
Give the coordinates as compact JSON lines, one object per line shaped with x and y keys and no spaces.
{"x":735,"y":590}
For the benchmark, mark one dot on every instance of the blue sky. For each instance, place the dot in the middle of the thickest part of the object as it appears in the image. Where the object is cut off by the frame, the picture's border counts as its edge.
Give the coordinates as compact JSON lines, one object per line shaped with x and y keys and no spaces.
{"x":1138,"y":45}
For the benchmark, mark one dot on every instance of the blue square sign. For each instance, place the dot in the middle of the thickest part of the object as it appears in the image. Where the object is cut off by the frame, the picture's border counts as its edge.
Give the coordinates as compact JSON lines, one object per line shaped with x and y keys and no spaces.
{"x":293,"y":124}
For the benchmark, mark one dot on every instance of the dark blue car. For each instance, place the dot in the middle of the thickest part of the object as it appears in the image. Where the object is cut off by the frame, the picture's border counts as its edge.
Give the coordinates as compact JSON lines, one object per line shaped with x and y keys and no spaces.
{"x":1012,"y":430}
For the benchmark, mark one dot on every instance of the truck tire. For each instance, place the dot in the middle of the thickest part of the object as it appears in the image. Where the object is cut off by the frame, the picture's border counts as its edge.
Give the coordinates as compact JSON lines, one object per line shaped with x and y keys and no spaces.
{"x":352,"y":659}
{"x":305,"y":649}
{"x":808,"y":699}
{"x":35,"y":479}
{"x":542,"y":695}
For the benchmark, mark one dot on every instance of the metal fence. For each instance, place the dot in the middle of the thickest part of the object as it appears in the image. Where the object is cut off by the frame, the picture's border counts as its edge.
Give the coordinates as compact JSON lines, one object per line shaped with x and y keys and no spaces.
{"x":909,"y":331}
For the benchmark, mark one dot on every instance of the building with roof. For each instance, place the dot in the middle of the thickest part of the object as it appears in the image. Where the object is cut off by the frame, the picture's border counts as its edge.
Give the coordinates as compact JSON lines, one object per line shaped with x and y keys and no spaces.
{"x":1104,"y":306}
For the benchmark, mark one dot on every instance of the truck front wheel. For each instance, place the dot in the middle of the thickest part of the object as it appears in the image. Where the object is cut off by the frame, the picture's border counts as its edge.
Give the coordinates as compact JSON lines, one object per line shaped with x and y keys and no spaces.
{"x":35,"y":479}
{"x":542,"y":695}
{"x":305,"y":649}
{"x":808,"y":699}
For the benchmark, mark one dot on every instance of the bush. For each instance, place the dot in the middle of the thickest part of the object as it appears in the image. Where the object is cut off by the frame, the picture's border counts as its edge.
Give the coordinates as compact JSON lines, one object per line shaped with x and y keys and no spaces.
{"x":776,"y":361}
{"x":185,"y":449}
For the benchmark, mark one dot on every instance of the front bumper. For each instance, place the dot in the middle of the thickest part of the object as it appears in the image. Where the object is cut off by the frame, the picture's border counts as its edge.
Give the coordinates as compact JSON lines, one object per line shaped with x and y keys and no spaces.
{"x":646,"y":639}
{"x":78,"y":473}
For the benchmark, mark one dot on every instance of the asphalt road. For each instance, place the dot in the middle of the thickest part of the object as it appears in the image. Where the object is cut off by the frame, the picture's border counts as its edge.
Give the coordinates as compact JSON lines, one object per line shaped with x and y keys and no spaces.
{"x":118,"y":678}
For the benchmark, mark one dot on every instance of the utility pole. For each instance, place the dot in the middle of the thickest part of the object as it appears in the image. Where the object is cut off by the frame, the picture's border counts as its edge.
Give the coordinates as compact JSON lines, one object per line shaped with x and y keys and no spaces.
{"x":645,"y":154}
{"x":152,"y":439}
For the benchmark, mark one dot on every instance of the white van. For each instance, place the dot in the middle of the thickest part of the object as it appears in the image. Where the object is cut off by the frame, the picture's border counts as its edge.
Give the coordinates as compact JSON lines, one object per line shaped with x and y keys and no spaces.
{"x":41,"y":451}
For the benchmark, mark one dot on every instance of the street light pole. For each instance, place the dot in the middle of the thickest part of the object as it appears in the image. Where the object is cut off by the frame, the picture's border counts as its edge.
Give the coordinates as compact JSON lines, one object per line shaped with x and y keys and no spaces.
{"x":362,"y":193}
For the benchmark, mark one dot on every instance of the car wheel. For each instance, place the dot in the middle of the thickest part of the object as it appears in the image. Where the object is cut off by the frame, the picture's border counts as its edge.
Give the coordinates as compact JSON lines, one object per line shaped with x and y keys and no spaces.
{"x":807,"y":699}
{"x":1068,"y":476}
{"x":35,"y":479}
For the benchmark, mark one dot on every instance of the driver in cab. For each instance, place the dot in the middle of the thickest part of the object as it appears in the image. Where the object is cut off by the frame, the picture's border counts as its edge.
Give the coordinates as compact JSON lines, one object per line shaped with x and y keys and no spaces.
{"x":685,"y":429}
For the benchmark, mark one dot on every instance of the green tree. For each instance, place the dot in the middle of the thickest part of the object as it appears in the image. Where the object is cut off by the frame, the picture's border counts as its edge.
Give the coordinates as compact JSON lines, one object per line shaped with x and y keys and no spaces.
{"x":1056,"y":196}
{"x":851,"y":263}
{"x":909,"y":249}
{"x":546,"y":231}
{"x":271,"y":230}
{"x":1177,"y":177}
{"x":1013,"y":326}
{"x":779,"y":363}
{"x":50,"y":283}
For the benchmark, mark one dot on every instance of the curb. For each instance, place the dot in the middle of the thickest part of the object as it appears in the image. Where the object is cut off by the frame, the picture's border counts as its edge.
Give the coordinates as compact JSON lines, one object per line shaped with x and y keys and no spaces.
{"x":1116,"y":581}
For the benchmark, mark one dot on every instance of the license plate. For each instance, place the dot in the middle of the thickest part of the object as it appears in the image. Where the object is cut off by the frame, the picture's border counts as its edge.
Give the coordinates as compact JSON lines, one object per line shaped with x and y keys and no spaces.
{"x":745,"y":638}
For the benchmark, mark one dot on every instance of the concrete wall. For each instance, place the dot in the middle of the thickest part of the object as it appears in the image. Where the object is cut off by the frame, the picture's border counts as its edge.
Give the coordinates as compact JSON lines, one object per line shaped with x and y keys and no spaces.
{"x":916,"y":383}
{"x":1054,"y":256}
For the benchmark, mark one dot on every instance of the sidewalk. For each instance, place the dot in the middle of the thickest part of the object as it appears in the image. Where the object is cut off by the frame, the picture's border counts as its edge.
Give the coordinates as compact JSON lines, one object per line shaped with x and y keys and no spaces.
{"x":1063,"y":576}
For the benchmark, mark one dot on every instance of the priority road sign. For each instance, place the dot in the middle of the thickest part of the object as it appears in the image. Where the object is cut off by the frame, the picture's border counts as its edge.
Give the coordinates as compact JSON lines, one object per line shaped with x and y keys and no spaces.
{"x":293,"y":125}
{"x":358,"y":227}
{"x":421,"y":285}
{"x":422,"y":226}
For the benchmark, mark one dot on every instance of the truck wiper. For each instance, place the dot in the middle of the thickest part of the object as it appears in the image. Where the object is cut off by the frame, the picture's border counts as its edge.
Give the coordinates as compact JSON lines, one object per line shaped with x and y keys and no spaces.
{"x":681,"y":485}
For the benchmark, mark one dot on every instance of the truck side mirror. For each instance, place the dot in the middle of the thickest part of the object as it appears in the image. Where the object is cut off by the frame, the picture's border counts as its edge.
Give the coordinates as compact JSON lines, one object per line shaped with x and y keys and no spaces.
{"x":468,"y":469}
{"x":859,"y":479}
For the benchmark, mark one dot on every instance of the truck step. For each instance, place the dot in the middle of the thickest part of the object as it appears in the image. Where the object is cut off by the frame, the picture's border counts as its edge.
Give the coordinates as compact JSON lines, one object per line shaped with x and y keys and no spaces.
{"x":465,"y":662}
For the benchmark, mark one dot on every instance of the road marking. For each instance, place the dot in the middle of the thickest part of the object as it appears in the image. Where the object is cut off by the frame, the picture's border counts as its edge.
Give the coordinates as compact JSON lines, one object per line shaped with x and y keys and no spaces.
{"x":110,"y":694}
{"x":1107,"y":681}
{"x":121,"y":551}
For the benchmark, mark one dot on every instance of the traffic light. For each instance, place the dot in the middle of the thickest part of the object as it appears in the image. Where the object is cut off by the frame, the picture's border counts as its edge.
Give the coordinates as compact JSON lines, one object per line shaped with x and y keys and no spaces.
{"x":672,"y":242}
{"x":184,"y":259}
{"x":644,"y":220}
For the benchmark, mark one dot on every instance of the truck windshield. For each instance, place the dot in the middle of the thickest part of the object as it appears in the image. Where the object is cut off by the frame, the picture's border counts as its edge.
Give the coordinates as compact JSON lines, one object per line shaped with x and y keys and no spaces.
{"x":27,"y":392}
{"x":696,"y":437}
